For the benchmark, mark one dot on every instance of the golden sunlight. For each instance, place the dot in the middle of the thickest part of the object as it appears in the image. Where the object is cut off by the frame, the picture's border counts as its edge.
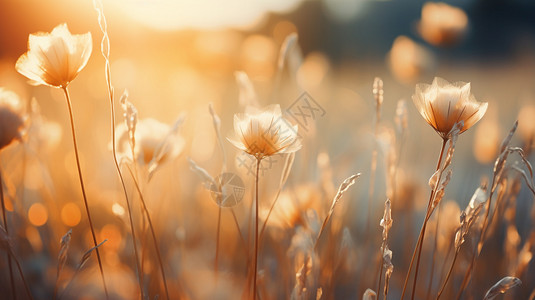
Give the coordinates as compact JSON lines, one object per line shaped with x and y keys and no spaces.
{"x":201,"y":14}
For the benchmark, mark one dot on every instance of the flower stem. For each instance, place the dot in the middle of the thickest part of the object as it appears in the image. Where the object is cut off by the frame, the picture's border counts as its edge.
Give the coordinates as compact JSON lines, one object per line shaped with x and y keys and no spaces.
{"x":71,"y":117}
{"x":434,"y":252}
{"x":419,"y":243}
{"x":118,"y":169}
{"x":153,"y":233}
{"x":216,"y":263}
{"x":255,"y":261}
{"x":11,"y":279}
{"x":449,"y":274}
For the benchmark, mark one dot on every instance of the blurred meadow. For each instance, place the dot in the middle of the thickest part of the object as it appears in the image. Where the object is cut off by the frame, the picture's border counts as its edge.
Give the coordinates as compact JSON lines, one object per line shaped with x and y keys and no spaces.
{"x":181,"y":70}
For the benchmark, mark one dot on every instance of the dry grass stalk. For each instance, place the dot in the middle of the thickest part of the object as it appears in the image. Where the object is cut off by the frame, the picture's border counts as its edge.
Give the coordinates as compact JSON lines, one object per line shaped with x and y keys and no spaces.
{"x":288,"y":163}
{"x":62,"y":257}
{"x":497,"y":177}
{"x":5,"y":242}
{"x":247,"y":95}
{"x":6,"y":238}
{"x":468,"y":218}
{"x":152,"y":232}
{"x":369,"y":295}
{"x":438,"y":185}
{"x":341,"y":190}
{"x":209,"y":183}
{"x":290,"y":55}
{"x":378,"y":96}
{"x":217,"y":128}
{"x":386,"y":254}
{"x":130,"y":116}
{"x":81,"y":264}
{"x":501,"y":287}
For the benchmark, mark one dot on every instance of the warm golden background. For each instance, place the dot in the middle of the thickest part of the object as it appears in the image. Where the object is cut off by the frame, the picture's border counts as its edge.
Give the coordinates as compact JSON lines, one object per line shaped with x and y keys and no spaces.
{"x":176,"y":57}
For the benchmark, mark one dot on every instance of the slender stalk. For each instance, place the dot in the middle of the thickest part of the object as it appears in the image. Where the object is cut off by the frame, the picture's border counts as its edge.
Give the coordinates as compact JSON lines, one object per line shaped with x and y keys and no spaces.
{"x":449,"y":274}
{"x":118,"y":169}
{"x":383,"y":244}
{"x":123,"y":185}
{"x":432,"y":272}
{"x":105,"y":50}
{"x":255,"y":261}
{"x":480,"y":242}
{"x":216,"y":263}
{"x":71,"y":117}
{"x":419,"y":243}
{"x":153,"y":233}
{"x":373,"y":171}
{"x":11,"y":279}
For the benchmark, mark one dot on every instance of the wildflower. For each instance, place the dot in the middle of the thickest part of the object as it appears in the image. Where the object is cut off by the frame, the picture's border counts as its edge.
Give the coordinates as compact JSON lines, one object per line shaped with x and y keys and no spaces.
{"x":55,"y":58}
{"x":264,"y":133}
{"x":11,"y":121}
{"x":443,"y":104}
{"x":409,"y":60}
{"x":155,"y":143}
{"x":442,"y":24}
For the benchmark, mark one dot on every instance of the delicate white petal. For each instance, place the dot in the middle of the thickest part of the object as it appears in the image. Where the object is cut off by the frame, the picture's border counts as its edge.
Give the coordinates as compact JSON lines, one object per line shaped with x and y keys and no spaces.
{"x":443,"y":105}
{"x":55,"y":58}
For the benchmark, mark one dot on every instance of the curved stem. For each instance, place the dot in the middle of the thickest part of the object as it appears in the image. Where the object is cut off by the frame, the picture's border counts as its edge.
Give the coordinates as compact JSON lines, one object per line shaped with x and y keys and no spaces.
{"x":419,"y":243}
{"x":153,"y":233}
{"x":449,"y":274}
{"x":118,"y":169}
{"x":495,"y":180}
{"x":71,"y":117}
{"x":11,"y":279}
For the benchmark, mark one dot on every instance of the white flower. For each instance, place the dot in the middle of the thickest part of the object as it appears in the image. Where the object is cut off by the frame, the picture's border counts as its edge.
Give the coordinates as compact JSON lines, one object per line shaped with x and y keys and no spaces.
{"x":443,"y":104}
{"x":263,"y":133}
{"x":55,"y":58}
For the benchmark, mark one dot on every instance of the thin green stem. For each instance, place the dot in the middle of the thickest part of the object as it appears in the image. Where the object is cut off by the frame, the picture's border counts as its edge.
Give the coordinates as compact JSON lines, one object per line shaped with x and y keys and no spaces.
{"x":419,"y":243}
{"x":78,"y":165}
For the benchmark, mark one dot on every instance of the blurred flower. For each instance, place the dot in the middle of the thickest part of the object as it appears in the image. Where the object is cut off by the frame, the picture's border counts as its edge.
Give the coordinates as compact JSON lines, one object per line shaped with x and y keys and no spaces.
{"x":443,"y":104}
{"x":264,"y":133}
{"x":442,"y":24}
{"x":55,"y":58}
{"x":43,"y":135}
{"x":156,"y":142}
{"x":526,"y":122}
{"x":11,"y":121}
{"x":487,"y":138}
{"x":408,"y":60}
